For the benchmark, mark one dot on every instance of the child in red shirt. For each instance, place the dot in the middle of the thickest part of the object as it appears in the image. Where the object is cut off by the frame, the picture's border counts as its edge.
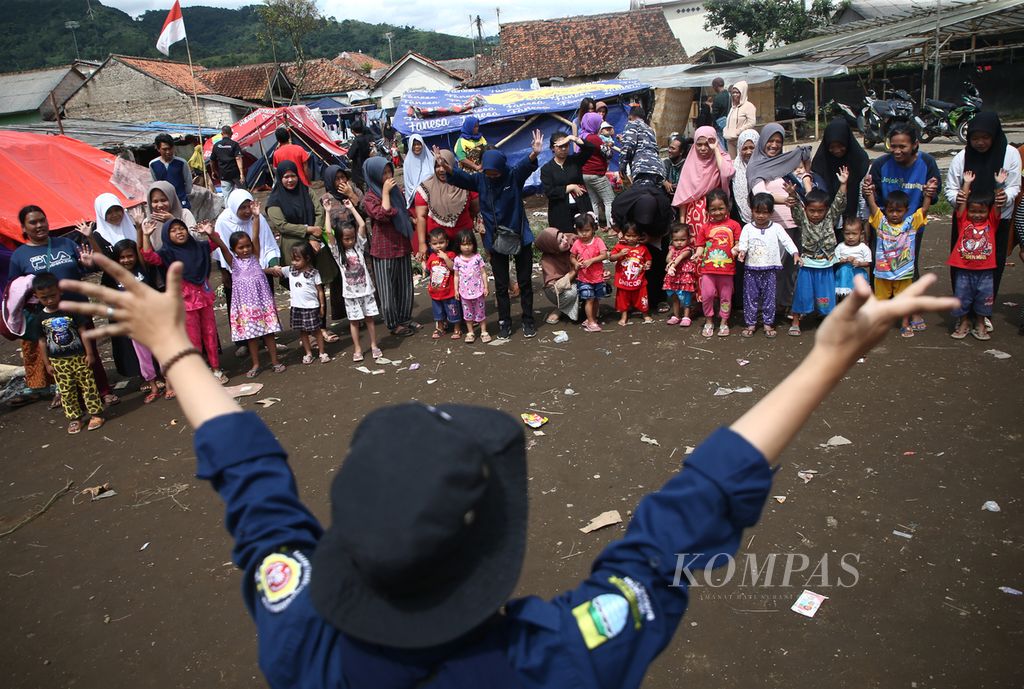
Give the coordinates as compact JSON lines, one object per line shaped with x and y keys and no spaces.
{"x":716,"y":255}
{"x":587,"y":255}
{"x":974,"y":258}
{"x":632,"y":261}
{"x":441,"y":286}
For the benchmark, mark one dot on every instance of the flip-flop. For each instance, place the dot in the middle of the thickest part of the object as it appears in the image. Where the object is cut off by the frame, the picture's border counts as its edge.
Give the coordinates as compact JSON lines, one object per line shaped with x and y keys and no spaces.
{"x":708,"y":330}
{"x":471,"y":338}
{"x":376,"y":353}
{"x":252,"y":372}
{"x":906,"y":331}
{"x":151,"y":397}
{"x":357,"y":357}
{"x":980,"y":334}
{"x":279,"y":368}
{"x":770,"y":332}
{"x":918,"y":326}
{"x":438,"y":334}
{"x":110,"y":399}
{"x":75,"y":427}
{"x":747,"y":332}
{"x":95,"y":423}
{"x":456,"y":336}
{"x":794,"y":331}
{"x":170,"y":395}
{"x":485,"y":338}
{"x":330,"y":337}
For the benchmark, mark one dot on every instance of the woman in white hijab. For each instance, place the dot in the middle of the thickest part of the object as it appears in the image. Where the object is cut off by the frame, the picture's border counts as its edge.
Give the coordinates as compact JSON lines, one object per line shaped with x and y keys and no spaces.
{"x":112,"y":223}
{"x":746,"y":144}
{"x":418,"y":166}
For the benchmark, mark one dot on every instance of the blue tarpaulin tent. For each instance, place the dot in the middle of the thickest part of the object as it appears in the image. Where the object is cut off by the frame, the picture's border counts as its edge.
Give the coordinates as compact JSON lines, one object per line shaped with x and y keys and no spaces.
{"x":437,"y":116}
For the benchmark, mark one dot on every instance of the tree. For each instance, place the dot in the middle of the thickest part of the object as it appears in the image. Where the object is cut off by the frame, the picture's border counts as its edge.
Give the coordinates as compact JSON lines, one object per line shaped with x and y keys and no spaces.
{"x":768,"y":22}
{"x":292,"y":20}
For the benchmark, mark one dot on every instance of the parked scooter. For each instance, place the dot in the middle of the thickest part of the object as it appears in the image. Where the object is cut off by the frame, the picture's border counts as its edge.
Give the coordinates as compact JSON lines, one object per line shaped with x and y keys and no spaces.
{"x":942,"y":118}
{"x":878,"y":115}
{"x":796,"y":110}
{"x":834,"y":108}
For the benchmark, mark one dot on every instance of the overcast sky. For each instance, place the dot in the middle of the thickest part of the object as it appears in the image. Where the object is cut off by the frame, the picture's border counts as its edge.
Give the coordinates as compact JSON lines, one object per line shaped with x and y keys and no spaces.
{"x":449,"y":17}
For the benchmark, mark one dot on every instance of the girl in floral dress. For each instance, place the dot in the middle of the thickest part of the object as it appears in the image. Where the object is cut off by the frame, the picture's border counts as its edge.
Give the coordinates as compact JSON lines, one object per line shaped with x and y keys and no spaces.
{"x":253,"y":311}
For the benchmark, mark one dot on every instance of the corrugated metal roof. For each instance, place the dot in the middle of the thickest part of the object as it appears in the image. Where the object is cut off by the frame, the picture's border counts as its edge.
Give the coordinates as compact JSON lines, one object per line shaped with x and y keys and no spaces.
{"x":112,"y":136}
{"x":849,"y":44}
{"x":26,"y":91}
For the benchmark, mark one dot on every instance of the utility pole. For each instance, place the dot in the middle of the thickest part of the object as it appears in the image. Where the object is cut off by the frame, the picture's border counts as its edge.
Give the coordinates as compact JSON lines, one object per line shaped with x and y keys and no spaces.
{"x":938,"y":62}
{"x":73,"y":25}
{"x":480,"y":32}
{"x":497,"y":11}
{"x":389,"y":35}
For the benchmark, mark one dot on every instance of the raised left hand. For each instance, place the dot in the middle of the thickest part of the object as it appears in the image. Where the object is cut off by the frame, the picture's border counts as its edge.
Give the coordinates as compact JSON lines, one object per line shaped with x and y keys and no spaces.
{"x":537,"y":145}
{"x":843,"y":175}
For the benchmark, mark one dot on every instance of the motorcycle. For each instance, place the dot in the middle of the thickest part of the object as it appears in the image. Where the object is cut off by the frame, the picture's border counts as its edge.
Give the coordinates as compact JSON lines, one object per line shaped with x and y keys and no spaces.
{"x":796,"y":110}
{"x":879,"y":114}
{"x":942,"y":118}
{"x":834,"y":108}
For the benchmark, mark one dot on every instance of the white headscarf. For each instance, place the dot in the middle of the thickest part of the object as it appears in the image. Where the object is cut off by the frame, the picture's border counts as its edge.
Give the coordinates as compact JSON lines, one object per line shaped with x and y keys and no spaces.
{"x":228,"y":223}
{"x":416,"y":168}
{"x":740,"y":186}
{"x":112,"y":233}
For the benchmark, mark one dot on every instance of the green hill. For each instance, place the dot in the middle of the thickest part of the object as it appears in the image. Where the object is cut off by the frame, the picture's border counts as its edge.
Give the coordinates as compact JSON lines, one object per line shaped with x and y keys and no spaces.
{"x":218,"y":37}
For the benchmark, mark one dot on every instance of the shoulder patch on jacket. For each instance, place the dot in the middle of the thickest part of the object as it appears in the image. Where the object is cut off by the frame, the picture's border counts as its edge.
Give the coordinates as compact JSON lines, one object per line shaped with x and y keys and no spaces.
{"x":280,"y":577}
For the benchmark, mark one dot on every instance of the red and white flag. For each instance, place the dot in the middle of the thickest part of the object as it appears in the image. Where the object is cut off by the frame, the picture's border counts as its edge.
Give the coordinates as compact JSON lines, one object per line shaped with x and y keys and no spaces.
{"x":173,"y":31}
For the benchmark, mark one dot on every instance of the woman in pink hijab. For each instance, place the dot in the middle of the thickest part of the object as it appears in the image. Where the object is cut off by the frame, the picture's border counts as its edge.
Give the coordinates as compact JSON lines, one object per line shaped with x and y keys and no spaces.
{"x":706,"y":167}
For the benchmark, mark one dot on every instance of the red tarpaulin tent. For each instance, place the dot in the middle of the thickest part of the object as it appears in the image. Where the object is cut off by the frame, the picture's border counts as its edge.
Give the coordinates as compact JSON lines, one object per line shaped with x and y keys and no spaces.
{"x":63,"y":176}
{"x":259,"y":126}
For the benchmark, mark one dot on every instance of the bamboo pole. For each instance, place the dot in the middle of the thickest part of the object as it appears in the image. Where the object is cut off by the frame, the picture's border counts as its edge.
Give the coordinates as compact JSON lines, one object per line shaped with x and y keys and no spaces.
{"x":56,"y":113}
{"x":518,"y":129}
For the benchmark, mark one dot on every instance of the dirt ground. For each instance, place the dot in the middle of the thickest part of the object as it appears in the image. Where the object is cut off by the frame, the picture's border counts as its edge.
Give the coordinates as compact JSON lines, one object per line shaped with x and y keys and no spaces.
{"x":137,"y":590}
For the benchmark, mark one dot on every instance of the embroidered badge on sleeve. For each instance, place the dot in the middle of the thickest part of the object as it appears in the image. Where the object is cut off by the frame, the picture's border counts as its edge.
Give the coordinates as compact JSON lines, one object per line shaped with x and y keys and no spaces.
{"x":280,"y":577}
{"x":601,"y":619}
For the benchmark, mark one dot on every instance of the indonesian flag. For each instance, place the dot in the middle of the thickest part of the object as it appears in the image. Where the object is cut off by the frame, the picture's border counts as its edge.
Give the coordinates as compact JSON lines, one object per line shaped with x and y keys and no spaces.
{"x":173,"y":31}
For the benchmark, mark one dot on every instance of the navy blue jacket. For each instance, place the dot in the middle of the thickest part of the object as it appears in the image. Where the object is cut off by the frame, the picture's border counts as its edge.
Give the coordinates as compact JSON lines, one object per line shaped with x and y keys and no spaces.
{"x":603,"y":633}
{"x":501,"y":200}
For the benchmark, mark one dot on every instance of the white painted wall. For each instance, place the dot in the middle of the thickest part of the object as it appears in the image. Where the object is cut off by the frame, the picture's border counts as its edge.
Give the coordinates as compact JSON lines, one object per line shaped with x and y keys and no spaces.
{"x":411,"y":76}
{"x":686,"y":19}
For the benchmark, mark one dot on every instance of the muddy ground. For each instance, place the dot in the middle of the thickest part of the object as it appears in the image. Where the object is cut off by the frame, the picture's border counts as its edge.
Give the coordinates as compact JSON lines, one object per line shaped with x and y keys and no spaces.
{"x":935,"y":430}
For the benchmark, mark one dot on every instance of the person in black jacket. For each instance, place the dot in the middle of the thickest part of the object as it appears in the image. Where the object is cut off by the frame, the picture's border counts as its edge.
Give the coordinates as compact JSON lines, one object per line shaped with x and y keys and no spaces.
{"x":358,"y":152}
{"x":562,"y":178}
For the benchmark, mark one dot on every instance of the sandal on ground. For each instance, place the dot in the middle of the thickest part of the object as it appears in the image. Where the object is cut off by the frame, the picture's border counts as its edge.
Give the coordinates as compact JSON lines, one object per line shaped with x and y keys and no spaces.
{"x":664,"y":307}
{"x":153,"y":396}
{"x":708,"y":330}
{"x":988,"y":324}
{"x":324,"y":358}
{"x":794,"y":330}
{"x":170,"y":395}
{"x":959,"y":334}
{"x":456,"y":335}
{"x":918,"y":325}
{"x":252,"y":372}
{"x":471,"y":338}
{"x":485,"y":338}
{"x":220,"y":376}
{"x":75,"y":427}
{"x":403,"y":331}
{"x":980,"y":334}
{"x":592,"y":327}
{"x":414,"y":325}
{"x":648,"y":320}
{"x":906,"y":331}
{"x":685,"y":322}
{"x":376,"y":353}
{"x":674,"y":320}
{"x":110,"y":399}
{"x":437,"y":335}
{"x":357,"y":357}
{"x":307,"y":359}
{"x":748,"y":331}
{"x":552,"y":319}
{"x":279,"y":368}
{"x":723,"y":330}
{"x":55,"y":402}
{"x":95,"y":422}
{"x":770,"y":332}
{"x":330,"y":337}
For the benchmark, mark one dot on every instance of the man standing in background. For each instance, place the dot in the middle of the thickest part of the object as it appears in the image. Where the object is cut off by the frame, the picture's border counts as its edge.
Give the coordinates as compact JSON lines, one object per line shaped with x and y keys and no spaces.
{"x":228,"y":155}
{"x":170,"y":168}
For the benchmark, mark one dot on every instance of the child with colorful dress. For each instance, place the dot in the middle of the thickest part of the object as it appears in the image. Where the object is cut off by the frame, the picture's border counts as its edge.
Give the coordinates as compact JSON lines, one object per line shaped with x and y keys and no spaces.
{"x":974,"y":258}
{"x":356,"y":285}
{"x":587,"y":256}
{"x":760,"y":250}
{"x":308,"y":301}
{"x":853,"y":257}
{"x":680,"y":275}
{"x":178,"y":244}
{"x":440,"y":270}
{"x":471,"y":285}
{"x":253,"y":311}
{"x":715,"y":256}
{"x":632,"y":261}
{"x":895,"y":247}
{"x":66,"y":356}
{"x":816,"y":280}
{"x":126,"y":252}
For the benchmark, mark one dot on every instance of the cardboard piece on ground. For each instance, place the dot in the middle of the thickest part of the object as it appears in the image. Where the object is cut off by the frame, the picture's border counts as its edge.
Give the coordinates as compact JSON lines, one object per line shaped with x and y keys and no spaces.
{"x":602,"y":520}
{"x":244,"y":390}
{"x":268,"y":401}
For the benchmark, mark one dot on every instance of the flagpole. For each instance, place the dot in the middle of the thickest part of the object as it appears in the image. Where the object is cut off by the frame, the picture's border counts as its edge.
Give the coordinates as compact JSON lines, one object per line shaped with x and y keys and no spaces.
{"x":199,"y":115}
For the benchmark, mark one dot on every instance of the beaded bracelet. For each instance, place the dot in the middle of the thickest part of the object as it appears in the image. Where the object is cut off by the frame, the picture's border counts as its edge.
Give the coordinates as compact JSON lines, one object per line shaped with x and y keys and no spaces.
{"x":166,"y":367}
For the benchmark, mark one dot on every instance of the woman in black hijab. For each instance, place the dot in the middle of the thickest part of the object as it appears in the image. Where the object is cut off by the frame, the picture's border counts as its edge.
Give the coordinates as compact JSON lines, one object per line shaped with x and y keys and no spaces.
{"x":838,"y":149}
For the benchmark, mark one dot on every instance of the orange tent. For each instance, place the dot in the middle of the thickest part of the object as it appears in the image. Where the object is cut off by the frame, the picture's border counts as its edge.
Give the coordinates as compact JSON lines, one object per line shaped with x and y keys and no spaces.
{"x":63,"y":176}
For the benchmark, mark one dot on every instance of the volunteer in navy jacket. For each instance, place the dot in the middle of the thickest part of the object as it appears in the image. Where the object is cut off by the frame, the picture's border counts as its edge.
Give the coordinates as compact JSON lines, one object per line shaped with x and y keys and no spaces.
{"x":408,"y":586}
{"x":501,"y":204}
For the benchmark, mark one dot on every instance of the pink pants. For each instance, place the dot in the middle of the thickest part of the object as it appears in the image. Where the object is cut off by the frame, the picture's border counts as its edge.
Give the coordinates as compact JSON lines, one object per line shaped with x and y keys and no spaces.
{"x":145,"y":358}
{"x":712,"y":286}
{"x":201,"y":327}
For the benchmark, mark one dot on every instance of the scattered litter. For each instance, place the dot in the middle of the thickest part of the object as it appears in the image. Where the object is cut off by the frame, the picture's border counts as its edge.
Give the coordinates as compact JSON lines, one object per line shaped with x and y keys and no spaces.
{"x":1010,"y":590}
{"x":722,"y":392}
{"x":570,"y":392}
{"x":98,"y":492}
{"x":602,"y":520}
{"x":268,"y":401}
{"x":479,"y":353}
{"x":45,"y":446}
{"x":837,"y":441}
{"x":808,"y":603}
{"x":909,"y":453}
{"x":597,"y":475}
{"x":533,"y":420}
{"x":606,"y":352}
{"x":121,"y":385}
{"x":902,"y":534}
{"x":1009,"y":303}
{"x":174,"y":422}
{"x":831,"y":522}
{"x":689,"y":450}
{"x":244,"y":390}
{"x":779,"y":498}
{"x":431,"y":381}
{"x":144,"y":546}
{"x":539,"y":433}
{"x":383,"y":360}
{"x":644,"y":438}
{"x":742,"y":362}
{"x":991,"y":506}
{"x":807,"y":474}
{"x":997,"y":354}
{"x":497,"y":342}
{"x":363,"y":369}
{"x":636,"y":343}
{"x":560,"y":336}
{"x":860,"y":360}
{"x":413,"y":367}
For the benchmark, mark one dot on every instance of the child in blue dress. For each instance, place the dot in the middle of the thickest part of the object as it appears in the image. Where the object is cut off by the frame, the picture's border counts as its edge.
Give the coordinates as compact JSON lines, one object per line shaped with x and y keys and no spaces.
{"x":853,"y":257}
